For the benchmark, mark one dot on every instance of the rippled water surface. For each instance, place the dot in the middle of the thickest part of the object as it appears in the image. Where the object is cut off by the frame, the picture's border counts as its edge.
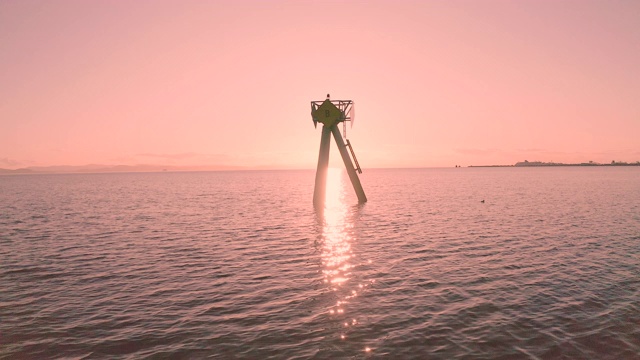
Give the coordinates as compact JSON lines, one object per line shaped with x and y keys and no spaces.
{"x":239,"y":265}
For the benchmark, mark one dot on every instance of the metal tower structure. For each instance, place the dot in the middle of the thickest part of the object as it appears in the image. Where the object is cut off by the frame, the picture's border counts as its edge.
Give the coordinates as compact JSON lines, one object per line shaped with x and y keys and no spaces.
{"x":330,"y":113}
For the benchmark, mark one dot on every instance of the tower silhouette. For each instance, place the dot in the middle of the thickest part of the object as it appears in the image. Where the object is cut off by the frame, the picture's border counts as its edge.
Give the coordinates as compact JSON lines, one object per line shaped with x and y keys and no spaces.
{"x":330,"y":113}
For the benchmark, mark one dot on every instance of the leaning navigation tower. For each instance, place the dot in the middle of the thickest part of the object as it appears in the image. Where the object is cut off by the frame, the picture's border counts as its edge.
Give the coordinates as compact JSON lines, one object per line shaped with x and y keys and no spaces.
{"x":330,"y":113}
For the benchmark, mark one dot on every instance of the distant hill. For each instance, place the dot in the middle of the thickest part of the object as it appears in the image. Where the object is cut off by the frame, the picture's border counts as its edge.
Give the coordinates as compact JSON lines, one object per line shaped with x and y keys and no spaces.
{"x":97,"y":168}
{"x":16,"y":171}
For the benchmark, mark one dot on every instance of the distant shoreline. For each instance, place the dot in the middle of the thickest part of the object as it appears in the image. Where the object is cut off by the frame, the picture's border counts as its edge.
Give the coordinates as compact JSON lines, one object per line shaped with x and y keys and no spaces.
{"x":106,"y":169}
{"x":545,"y":164}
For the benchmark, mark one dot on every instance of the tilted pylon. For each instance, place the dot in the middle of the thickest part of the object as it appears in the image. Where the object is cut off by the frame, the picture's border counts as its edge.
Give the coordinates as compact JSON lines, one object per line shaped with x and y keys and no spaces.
{"x":331,"y":113}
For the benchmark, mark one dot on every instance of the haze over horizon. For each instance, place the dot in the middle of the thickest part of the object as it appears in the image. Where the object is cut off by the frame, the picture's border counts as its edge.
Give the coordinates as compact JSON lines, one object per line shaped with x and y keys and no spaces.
{"x":225,"y":83}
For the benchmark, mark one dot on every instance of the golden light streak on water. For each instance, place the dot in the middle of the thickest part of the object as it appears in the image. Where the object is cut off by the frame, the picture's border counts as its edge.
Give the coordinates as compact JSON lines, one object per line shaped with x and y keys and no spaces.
{"x":338,"y":258}
{"x":336,"y":246}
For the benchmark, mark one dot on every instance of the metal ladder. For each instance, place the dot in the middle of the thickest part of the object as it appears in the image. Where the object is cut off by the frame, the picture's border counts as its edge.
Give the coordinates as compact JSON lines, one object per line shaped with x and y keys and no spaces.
{"x":353,"y":155}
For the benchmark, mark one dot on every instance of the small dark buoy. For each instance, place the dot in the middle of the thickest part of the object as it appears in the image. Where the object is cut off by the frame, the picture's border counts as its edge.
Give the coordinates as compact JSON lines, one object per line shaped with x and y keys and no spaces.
{"x":482,"y":201}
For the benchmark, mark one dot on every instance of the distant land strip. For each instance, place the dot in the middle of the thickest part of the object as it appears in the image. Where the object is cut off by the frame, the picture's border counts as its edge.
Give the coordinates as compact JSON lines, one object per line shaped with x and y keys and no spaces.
{"x":540,"y":163}
{"x":94,"y":168}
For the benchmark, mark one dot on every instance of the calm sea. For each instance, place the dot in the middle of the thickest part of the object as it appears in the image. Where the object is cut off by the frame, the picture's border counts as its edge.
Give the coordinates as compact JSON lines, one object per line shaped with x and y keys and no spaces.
{"x":232,"y":265}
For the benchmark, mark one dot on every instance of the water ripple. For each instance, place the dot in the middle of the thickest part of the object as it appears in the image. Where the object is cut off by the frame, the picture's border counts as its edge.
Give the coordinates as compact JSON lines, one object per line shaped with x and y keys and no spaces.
{"x":239,"y":265}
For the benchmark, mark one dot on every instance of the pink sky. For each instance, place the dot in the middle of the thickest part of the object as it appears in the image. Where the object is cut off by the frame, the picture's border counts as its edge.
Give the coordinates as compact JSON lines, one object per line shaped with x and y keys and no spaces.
{"x":436,"y":83}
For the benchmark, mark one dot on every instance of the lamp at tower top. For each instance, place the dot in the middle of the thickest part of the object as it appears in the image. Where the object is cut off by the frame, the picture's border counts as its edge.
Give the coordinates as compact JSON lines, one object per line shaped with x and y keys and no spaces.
{"x":330,"y":112}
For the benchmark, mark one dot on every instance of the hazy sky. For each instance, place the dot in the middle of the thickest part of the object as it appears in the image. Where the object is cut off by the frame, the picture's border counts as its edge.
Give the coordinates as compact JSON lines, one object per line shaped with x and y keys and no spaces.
{"x":436,"y":83}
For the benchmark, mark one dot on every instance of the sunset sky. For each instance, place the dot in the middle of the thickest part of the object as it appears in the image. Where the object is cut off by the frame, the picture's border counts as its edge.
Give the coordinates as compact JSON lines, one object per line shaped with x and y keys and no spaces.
{"x":436,"y":83}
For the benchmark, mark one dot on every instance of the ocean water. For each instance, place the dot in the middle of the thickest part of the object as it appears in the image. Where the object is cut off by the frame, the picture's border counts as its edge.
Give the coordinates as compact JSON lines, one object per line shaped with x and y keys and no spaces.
{"x":239,"y":265}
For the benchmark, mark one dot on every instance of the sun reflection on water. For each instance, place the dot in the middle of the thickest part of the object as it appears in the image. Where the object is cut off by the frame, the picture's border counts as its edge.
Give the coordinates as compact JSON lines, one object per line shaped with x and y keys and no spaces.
{"x":337,"y":238}
{"x":336,"y":244}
